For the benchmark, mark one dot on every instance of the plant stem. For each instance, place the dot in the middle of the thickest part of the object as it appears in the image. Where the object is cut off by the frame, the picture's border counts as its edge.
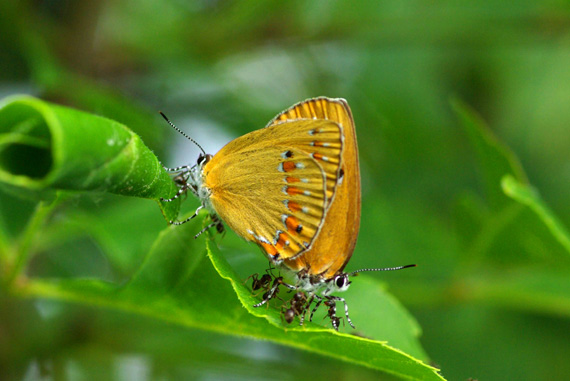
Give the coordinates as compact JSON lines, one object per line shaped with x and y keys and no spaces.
{"x":23,"y":248}
{"x":4,"y":248}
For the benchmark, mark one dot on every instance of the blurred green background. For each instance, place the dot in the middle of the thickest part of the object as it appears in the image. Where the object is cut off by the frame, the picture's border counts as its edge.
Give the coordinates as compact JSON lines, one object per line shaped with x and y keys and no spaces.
{"x":492,"y":287}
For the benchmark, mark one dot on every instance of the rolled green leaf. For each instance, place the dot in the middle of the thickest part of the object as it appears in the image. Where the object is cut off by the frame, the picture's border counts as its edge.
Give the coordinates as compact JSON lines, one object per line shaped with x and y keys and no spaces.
{"x":46,"y":147}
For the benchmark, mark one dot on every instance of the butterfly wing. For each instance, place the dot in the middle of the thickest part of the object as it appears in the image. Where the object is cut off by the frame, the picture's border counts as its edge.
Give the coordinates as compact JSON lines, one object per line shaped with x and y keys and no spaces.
{"x":273,"y":186}
{"x":335,"y":244}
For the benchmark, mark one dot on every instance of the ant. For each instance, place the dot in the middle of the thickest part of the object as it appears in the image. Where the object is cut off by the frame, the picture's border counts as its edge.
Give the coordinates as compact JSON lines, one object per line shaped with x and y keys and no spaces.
{"x":297,"y":307}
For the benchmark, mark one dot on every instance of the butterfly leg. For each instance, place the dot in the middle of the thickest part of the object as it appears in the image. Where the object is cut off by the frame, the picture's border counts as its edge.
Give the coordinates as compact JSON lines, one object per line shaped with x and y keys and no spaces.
{"x":211,"y":225}
{"x":335,"y":320}
{"x":339,"y":299}
{"x":183,"y":188}
{"x":218,"y":223}
{"x":189,"y":218}
{"x":309,"y":302}
{"x":182,"y":168}
{"x":320,"y":300}
{"x":287,"y":285}
{"x":215,"y":222}
{"x":272,"y":293}
{"x":181,"y":180}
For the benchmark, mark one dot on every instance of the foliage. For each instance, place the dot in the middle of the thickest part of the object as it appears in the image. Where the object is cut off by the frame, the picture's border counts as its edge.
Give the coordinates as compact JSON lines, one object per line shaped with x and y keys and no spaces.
{"x":174,"y":284}
{"x":94,"y":282}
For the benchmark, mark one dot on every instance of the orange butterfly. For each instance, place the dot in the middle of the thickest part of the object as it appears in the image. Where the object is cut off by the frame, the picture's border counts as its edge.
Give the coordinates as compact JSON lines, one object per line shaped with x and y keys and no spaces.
{"x":293,"y":188}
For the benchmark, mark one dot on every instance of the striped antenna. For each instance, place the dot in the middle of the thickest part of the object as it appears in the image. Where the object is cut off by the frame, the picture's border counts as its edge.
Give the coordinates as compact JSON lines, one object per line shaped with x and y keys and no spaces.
{"x":183,"y":134}
{"x":384,"y":269}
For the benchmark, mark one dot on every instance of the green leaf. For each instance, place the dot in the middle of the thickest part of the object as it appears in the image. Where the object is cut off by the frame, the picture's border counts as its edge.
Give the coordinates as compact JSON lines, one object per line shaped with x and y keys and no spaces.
{"x":120,"y":237}
{"x":178,"y":284}
{"x":528,"y":196}
{"x":46,"y":147}
{"x":543,"y":291}
{"x":494,"y":158}
{"x":498,"y":228}
{"x":384,"y":319}
{"x":379,"y":315}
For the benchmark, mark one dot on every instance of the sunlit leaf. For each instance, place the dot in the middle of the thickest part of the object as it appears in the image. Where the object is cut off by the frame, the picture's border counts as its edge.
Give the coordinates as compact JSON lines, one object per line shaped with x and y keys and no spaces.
{"x":177,"y":283}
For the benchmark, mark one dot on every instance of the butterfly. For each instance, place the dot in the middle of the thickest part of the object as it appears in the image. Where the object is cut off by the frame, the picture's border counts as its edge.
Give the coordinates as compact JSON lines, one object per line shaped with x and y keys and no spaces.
{"x":293,"y":188}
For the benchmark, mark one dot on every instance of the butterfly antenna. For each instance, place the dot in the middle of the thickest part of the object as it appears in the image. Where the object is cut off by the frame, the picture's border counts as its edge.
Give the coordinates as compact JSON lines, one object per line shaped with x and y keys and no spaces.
{"x":384,"y":269}
{"x":182,"y":132}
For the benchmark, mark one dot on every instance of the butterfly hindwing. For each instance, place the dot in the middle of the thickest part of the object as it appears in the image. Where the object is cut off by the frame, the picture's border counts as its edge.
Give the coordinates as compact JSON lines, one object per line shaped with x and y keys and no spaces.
{"x":328,"y":257}
{"x":320,"y":108}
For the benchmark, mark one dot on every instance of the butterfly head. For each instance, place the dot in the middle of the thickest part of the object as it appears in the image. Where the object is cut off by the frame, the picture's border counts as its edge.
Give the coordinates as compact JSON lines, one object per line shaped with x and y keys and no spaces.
{"x":321,"y":285}
{"x":196,"y":181}
{"x":203,"y":159}
{"x":338,"y":283}
{"x":192,"y":178}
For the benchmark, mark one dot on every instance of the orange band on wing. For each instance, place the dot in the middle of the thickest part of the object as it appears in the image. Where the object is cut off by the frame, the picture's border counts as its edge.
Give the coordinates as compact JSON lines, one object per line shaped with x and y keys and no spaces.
{"x":269,"y":249}
{"x":293,"y":206}
{"x":292,"y":191}
{"x":290,"y":179}
{"x":292,"y":223}
{"x":282,"y":241}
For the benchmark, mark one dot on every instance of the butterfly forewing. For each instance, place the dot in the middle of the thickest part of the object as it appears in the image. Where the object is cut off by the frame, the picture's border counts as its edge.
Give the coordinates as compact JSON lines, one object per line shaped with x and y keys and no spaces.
{"x":273,"y":185}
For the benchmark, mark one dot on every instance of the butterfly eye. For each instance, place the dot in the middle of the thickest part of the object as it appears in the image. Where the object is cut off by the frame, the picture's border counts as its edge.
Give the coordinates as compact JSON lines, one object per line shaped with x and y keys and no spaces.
{"x":342,"y":282}
{"x":203,"y":159}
